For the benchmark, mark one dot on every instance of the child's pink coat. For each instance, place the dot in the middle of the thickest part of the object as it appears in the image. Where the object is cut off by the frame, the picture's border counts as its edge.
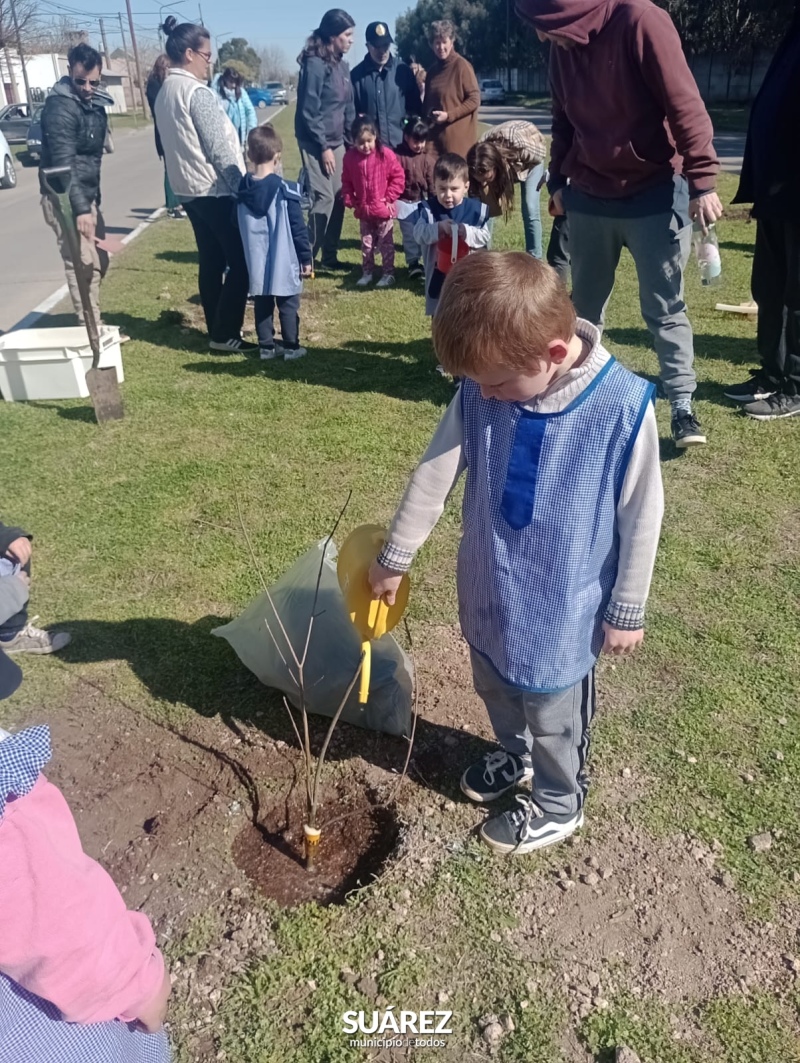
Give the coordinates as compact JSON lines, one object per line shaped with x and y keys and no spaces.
{"x":372,"y":184}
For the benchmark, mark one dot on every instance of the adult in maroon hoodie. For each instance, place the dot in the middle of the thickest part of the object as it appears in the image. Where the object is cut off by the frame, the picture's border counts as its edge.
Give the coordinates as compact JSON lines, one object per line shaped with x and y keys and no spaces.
{"x":633,"y":164}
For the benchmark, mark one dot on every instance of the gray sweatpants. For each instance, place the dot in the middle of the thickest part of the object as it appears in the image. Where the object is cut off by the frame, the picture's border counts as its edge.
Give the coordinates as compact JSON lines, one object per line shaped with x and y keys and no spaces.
{"x":660,"y":249}
{"x":327,"y":207}
{"x":549,"y":731}
{"x":413,"y":251}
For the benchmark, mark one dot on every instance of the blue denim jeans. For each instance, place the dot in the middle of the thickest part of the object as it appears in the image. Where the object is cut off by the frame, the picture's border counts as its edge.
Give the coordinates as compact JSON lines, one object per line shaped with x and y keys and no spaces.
{"x":532,"y":211}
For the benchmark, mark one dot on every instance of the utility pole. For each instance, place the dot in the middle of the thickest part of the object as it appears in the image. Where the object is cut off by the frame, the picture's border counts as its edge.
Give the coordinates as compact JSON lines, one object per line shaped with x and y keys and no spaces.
{"x":136,"y":57}
{"x":11,"y":79}
{"x":21,"y":56}
{"x":128,"y":64}
{"x":200,"y":10}
{"x":508,"y":47}
{"x":106,"y":52}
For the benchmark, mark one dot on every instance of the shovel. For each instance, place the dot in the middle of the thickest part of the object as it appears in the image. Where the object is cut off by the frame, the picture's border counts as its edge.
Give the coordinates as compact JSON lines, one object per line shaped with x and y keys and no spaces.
{"x":102,"y":383}
{"x":371,"y":616}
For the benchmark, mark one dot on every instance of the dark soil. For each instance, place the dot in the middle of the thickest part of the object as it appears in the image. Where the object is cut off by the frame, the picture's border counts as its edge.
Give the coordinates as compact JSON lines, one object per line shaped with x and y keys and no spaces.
{"x":357,"y":839}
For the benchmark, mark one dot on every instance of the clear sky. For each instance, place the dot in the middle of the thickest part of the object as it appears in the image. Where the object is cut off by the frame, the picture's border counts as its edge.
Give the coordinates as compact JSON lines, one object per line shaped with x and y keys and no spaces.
{"x":285,"y":24}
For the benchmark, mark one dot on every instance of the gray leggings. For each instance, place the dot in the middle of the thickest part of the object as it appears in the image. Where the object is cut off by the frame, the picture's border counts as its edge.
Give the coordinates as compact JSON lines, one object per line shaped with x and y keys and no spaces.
{"x":550,"y":732}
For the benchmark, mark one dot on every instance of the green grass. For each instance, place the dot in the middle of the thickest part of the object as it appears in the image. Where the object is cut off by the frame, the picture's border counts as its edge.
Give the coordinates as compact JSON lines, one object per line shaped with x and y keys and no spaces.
{"x":729,"y":117}
{"x":138,"y":551}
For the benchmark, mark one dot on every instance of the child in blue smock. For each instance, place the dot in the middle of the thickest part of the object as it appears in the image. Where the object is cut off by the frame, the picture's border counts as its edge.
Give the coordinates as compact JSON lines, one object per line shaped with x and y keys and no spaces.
{"x":561,"y":518}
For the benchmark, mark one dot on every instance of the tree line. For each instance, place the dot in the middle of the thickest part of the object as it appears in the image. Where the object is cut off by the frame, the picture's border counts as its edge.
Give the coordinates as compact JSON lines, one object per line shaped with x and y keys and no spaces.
{"x":491,"y":35}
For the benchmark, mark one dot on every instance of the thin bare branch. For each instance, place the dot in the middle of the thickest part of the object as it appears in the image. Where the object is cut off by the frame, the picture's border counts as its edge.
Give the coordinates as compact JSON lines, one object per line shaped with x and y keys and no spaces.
{"x":414,"y":709}
{"x":291,"y":717}
{"x":320,"y":570}
{"x":285,"y":634}
{"x":249,"y":543}
{"x":329,"y":733}
{"x":280,"y":652}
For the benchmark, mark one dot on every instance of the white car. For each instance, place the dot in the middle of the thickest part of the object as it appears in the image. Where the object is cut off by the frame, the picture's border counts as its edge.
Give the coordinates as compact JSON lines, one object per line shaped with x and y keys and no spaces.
{"x":492,"y":92}
{"x":276,"y":90}
{"x":8,"y":175}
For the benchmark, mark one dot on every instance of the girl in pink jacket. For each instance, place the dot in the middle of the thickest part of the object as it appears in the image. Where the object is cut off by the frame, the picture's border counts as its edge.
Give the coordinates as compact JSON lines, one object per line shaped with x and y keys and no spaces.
{"x":81,"y":980}
{"x":372,"y":182}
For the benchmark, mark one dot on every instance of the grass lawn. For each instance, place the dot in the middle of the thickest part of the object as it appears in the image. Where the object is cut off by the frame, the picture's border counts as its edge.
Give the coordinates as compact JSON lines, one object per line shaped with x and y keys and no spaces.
{"x":137,"y":522}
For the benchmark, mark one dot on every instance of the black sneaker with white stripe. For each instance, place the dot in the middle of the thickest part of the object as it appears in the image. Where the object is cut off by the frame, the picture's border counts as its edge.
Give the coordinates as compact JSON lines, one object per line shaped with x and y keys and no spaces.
{"x":493,"y":775}
{"x":234,"y":346}
{"x":774,"y":407}
{"x":527,"y":827}
{"x":758,"y":387}
{"x":686,"y":430}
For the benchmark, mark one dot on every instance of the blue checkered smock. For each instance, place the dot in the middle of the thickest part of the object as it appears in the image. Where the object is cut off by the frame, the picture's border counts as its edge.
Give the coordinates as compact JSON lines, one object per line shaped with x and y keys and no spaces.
{"x":538,"y":557}
{"x":31,"y":1029}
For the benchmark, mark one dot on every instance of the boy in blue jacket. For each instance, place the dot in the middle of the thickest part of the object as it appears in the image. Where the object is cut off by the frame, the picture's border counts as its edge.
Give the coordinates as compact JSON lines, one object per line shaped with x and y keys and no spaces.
{"x":276,"y":245}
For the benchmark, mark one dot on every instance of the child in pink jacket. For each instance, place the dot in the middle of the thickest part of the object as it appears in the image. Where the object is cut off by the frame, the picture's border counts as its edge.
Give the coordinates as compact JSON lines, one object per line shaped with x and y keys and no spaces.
{"x":81,"y":979}
{"x":372,"y":182}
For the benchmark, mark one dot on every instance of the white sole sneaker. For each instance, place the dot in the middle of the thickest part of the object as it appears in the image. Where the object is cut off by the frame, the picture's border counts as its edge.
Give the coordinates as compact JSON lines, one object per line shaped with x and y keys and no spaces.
{"x":364,"y":281}
{"x":291,"y":355}
{"x":540,"y":834}
{"x":387,"y":281}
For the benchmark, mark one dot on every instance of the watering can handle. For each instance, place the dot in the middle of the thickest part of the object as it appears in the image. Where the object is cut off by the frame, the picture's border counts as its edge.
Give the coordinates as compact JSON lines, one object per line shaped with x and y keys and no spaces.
{"x":366,"y":668}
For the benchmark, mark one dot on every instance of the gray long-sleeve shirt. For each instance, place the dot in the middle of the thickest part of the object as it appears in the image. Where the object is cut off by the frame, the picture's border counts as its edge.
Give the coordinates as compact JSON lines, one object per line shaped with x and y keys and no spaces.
{"x":212,"y":125}
{"x":639,"y":511}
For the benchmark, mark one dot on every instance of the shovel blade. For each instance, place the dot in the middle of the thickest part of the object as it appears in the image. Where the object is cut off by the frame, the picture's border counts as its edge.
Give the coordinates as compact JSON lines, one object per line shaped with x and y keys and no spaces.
{"x":104,"y":391}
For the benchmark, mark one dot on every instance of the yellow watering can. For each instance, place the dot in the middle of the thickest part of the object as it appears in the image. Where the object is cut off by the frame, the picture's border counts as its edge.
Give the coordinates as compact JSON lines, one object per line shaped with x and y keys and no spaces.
{"x":371,"y":616}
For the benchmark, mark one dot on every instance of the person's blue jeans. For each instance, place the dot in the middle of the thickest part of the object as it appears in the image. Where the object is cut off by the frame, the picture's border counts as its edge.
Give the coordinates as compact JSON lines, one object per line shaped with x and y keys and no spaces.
{"x":532,"y":211}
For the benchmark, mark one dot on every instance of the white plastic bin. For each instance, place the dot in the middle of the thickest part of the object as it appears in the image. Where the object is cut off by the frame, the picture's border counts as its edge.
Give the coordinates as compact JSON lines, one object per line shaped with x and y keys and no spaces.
{"x":51,"y":363}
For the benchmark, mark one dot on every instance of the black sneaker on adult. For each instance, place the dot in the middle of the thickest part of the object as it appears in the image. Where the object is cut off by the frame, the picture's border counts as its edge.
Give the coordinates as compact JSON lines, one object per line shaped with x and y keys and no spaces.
{"x":686,"y":430}
{"x":757,"y":387}
{"x":774,"y":407}
{"x":493,"y":775}
{"x":527,"y":827}
{"x":333,"y":264}
{"x":231,"y":346}
{"x":416,"y":270}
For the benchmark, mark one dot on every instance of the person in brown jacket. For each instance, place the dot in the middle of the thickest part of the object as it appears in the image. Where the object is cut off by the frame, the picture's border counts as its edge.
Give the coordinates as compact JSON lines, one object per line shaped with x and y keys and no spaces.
{"x":632,"y":137}
{"x":452,"y":95}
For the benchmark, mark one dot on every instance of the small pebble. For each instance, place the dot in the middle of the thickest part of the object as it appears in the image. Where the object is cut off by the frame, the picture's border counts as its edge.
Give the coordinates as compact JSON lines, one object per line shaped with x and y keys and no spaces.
{"x":759,"y":843}
{"x":691,"y":760}
{"x":566,"y":884}
{"x":626,"y":773}
{"x":592,"y":879}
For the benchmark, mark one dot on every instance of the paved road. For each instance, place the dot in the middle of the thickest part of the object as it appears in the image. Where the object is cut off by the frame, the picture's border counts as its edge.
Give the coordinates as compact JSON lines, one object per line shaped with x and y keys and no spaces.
{"x":30,"y":265}
{"x":730,"y":146}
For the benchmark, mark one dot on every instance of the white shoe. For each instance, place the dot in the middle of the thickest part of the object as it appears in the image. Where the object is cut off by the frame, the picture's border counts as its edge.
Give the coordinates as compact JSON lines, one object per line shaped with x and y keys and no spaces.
{"x":292,"y":354}
{"x":364,"y":280}
{"x":34,"y":640}
{"x":386,"y":281}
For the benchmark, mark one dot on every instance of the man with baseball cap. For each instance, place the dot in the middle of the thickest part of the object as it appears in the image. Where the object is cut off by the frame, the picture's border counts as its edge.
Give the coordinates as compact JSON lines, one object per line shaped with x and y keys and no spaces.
{"x":385,"y":89}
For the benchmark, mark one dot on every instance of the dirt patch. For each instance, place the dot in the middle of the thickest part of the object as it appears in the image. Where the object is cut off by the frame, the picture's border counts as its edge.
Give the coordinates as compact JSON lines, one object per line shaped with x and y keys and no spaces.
{"x":357,"y":840}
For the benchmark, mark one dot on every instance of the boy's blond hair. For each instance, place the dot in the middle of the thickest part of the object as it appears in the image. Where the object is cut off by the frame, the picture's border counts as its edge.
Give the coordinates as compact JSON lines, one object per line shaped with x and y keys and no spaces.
{"x":500,"y":308}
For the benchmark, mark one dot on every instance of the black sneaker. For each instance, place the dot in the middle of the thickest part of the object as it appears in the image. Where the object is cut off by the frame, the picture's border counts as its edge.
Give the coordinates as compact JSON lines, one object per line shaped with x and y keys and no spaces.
{"x":773,"y":407}
{"x":527,"y":827}
{"x":493,"y":775}
{"x":232,"y":346}
{"x":333,"y":265}
{"x":686,"y":430}
{"x":415,"y":270}
{"x":757,"y":387}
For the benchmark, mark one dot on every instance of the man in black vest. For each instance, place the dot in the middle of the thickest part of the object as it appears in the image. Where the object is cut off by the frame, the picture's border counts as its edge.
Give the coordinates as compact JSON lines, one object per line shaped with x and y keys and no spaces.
{"x":385,"y":89}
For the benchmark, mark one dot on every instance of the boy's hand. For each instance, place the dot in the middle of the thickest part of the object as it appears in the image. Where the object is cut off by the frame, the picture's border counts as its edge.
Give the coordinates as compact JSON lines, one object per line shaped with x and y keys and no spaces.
{"x":20,"y":550}
{"x":151,"y":1019}
{"x":556,"y":207}
{"x":445,"y":228}
{"x":384,"y":582}
{"x":620,"y":643}
{"x":306,"y":269}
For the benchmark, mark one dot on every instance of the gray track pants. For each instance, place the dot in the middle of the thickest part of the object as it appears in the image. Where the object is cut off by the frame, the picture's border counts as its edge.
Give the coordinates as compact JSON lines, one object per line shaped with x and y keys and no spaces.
{"x":660,"y":249}
{"x":549,"y":731}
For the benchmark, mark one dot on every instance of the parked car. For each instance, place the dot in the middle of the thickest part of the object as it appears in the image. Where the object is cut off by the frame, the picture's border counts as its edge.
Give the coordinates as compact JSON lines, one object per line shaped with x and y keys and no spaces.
{"x":14,"y":121}
{"x":260,"y":97}
{"x":34,"y":141}
{"x":8,"y":175}
{"x":276,"y":91}
{"x":492,"y":92}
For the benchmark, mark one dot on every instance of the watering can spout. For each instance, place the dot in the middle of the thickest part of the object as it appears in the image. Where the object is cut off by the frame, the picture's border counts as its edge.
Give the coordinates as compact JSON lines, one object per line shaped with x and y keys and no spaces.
{"x":371,"y":616}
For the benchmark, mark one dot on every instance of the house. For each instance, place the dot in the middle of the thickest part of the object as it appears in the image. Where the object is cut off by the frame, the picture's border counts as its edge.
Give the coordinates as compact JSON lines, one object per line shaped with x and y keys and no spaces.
{"x":44,"y":70}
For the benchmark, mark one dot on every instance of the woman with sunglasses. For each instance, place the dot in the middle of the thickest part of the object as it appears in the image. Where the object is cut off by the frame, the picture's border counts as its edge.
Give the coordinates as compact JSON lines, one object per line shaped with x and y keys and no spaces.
{"x":204,"y":163}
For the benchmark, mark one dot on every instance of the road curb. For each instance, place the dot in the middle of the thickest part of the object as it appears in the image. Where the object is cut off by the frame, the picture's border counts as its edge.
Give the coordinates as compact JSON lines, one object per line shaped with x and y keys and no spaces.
{"x":38,"y":312}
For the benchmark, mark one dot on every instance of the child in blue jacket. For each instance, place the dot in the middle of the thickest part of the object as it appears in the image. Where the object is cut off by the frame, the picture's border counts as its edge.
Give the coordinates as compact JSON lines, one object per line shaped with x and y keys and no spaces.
{"x":276,"y":245}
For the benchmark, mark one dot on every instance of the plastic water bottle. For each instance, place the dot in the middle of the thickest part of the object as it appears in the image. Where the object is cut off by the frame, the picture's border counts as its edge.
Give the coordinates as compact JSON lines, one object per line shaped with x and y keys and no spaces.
{"x":706,"y":249}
